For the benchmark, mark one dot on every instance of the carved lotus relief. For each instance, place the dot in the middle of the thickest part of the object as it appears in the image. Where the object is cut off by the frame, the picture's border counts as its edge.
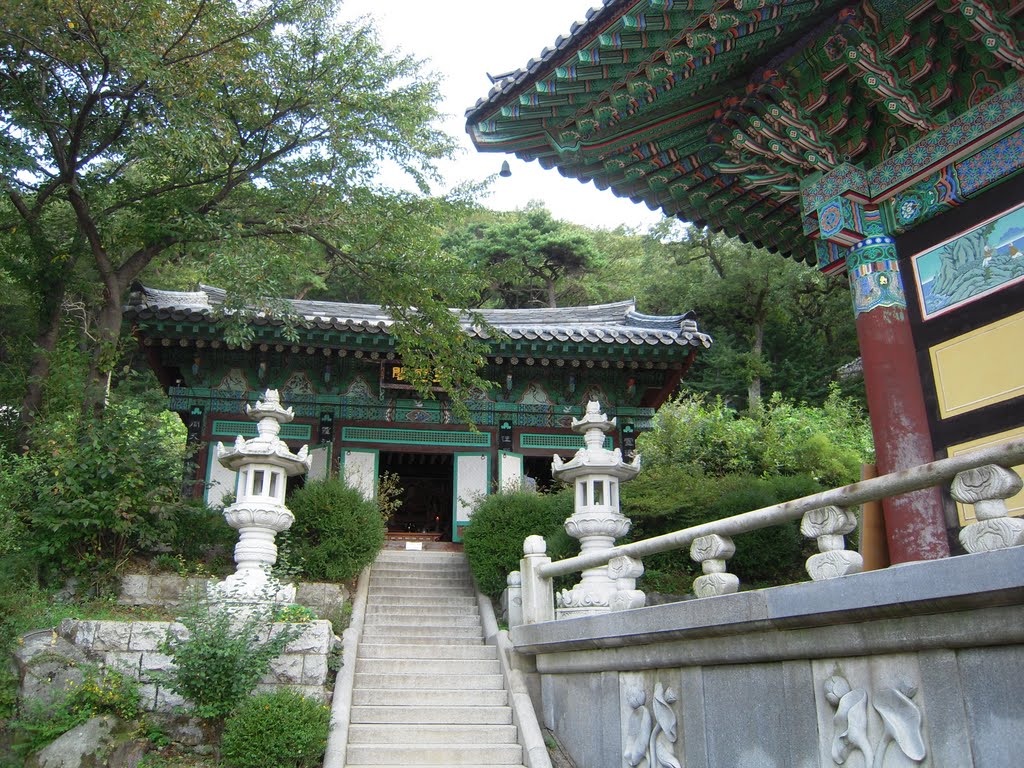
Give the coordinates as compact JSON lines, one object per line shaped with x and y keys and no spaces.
{"x":248,"y":516}
{"x":651,"y":733}
{"x":900,"y":716}
{"x":597,"y":524}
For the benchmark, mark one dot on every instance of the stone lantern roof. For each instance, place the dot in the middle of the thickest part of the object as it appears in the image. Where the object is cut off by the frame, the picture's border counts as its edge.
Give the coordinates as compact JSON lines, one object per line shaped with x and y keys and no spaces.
{"x":593,"y":457}
{"x":266,"y":447}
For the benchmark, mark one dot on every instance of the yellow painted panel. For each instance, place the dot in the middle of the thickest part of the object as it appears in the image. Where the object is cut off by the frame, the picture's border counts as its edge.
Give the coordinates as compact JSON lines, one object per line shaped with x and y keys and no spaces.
{"x":1015,"y":504}
{"x":980,"y":368}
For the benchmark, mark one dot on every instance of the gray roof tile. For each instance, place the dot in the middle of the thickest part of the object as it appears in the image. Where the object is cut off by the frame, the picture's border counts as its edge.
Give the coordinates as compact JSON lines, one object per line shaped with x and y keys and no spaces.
{"x":617,"y":322}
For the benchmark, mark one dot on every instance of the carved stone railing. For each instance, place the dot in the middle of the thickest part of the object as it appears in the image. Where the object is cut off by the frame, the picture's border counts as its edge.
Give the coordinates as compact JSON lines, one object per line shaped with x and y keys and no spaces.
{"x":982,"y":478}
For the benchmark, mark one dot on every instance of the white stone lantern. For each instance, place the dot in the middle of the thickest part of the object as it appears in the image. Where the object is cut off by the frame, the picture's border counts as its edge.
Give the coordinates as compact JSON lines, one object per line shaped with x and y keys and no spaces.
{"x":264,"y":465}
{"x":596,"y":472}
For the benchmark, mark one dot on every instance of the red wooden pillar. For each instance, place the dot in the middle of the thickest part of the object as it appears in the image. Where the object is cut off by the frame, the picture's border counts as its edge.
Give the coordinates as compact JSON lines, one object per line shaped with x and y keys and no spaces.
{"x":914,"y":522}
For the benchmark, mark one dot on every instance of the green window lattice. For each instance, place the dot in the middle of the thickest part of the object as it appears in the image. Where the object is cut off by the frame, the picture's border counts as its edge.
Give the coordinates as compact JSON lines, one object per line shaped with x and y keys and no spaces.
{"x":248,"y":429}
{"x":416,"y":436}
{"x":556,"y":442}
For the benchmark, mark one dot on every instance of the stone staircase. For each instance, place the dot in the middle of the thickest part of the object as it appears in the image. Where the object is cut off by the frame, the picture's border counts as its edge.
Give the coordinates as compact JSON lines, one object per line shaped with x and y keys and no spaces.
{"x":427,"y":691}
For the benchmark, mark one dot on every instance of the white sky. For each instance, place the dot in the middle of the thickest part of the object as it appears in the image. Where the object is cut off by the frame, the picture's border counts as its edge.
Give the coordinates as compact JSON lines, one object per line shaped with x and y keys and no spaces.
{"x":465,"y":39}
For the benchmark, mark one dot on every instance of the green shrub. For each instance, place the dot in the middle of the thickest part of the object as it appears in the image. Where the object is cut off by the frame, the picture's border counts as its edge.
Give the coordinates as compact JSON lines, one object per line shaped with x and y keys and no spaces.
{"x":223,"y":657}
{"x":281,"y":729}
{"x":200,"y":532}
{"x":101,"y":692}
{"x":493,"y":540}
{"x":336,"y":532}
{"x":669,"y":498}
{"x":105,"y":691}
{"x":93,"y":491}
{"x":294,"y":614}
{"x":781,"y":438}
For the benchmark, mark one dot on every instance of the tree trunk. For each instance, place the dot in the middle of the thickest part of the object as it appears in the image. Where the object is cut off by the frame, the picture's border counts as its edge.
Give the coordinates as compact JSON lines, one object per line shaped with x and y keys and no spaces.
{"x":107,"y":334}
{"x":756,"y":353}
{"x":552,"y":298}
{"x":39,"y":369}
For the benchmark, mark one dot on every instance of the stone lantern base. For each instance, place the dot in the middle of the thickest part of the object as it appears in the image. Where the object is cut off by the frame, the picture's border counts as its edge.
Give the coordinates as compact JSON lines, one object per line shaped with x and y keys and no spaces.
{"x":252,"y":586}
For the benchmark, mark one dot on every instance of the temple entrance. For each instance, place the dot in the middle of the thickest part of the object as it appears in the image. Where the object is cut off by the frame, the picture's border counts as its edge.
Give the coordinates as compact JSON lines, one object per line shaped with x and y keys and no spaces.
{"x":426,"y":492}
{"x":538,"y":469}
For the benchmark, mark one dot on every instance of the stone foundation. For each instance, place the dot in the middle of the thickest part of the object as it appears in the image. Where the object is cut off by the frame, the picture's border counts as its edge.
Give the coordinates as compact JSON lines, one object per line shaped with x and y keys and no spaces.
{"x":134,"y":649}
{"x":916,"y":666}
{"x":168,"y":590}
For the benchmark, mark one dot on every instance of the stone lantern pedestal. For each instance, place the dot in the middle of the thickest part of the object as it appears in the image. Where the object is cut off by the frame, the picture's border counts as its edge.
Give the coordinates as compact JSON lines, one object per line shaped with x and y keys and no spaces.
{"x":264,"y":464}
{"x":596,"y":473}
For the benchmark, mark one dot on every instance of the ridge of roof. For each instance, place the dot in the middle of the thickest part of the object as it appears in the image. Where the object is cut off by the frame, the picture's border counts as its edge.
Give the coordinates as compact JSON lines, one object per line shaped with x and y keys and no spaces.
{"x":614,"y":322}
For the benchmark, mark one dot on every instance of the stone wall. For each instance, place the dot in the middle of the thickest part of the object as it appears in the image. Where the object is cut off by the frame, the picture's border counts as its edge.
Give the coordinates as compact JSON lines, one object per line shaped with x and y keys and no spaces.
{"x":916,"y":665}
{"x":167,"y":590}
{"x":133,"y":647}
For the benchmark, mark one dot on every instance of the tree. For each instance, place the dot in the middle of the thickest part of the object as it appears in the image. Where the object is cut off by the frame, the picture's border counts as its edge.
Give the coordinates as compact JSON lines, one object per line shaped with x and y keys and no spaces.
{"x":148,"y":131}
{"x":530,"y":258}
{"x":777,"y":325}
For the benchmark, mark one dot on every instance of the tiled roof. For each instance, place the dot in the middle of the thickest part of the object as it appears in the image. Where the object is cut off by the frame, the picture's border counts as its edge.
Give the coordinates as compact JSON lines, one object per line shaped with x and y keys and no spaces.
{"x":615,"y":323}
{"x":717,"y":111}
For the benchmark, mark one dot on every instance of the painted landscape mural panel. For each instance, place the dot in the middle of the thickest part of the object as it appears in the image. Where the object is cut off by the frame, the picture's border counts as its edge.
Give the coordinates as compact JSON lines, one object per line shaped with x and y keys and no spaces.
{"x":971,"y":265}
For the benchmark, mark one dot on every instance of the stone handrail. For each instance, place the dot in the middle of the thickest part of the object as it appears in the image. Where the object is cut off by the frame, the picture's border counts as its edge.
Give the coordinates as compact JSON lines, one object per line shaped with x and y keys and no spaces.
{"x":981,"y":477}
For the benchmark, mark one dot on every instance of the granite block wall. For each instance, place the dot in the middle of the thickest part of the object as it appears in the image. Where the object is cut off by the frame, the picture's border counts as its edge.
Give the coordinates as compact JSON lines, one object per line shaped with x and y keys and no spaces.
{"x":166,"y":589}
{"x":134,"y":648}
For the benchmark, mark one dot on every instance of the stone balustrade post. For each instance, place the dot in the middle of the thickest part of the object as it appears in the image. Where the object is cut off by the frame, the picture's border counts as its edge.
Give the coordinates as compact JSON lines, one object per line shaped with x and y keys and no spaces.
{"x":624,"y":571}
{"x":538,"y":593}
{"x":711,"y":552}
{"x":514,"y":595}
{"x":987,"y":488}
{"x":829,"y":525}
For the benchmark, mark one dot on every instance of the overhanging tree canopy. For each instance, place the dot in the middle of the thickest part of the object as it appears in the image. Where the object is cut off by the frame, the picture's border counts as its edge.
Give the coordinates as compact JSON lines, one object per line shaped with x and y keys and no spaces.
{"x":141,"y":130}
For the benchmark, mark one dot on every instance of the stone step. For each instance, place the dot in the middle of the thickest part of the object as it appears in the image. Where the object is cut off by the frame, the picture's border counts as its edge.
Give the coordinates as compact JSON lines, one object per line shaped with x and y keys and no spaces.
{"x":412,"y":619}
{"x":458,"y":586}
{"x":393,"y":697}
{"x":500,"y":715}
{"x":420,"y":629}
{"x":425,"y":559}
{"x":438,"y":610}
{"x":440,"y":566}
{"x":403,"y":640}
{"x":418,"y":569}
{"x":400,"y":572}
{"x":441,"y":754}
{"x":418,"y":594}
{"x":427,"y":691}
{"x":400,"y":599}
{"x":430,"y":682}
{"x":425,"y":651}
{"x":419,"y":586}
{"x":429,"y":666}
{"x":405,"y":733}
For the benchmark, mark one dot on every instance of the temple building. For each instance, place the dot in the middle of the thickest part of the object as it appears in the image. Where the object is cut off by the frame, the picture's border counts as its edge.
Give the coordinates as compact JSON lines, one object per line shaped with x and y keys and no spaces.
{"x":355,"y":408}
{"x":879,"y":139}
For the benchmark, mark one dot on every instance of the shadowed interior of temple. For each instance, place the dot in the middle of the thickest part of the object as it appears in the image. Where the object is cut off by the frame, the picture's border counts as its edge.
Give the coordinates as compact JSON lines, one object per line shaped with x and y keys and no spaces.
{"x":425,"y":482}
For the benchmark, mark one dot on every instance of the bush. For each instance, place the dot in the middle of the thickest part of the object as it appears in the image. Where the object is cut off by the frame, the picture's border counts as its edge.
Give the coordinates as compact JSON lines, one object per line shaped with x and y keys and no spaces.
{"x":223,"y":657}
{"x":669,"y":498}
{"x":95,"y":490}
{"x":337,"y":532}
{"x":281,"y":729}
{"x":200,"y":532}
{"x":493,"y":540}
{"x":781,"y":438}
